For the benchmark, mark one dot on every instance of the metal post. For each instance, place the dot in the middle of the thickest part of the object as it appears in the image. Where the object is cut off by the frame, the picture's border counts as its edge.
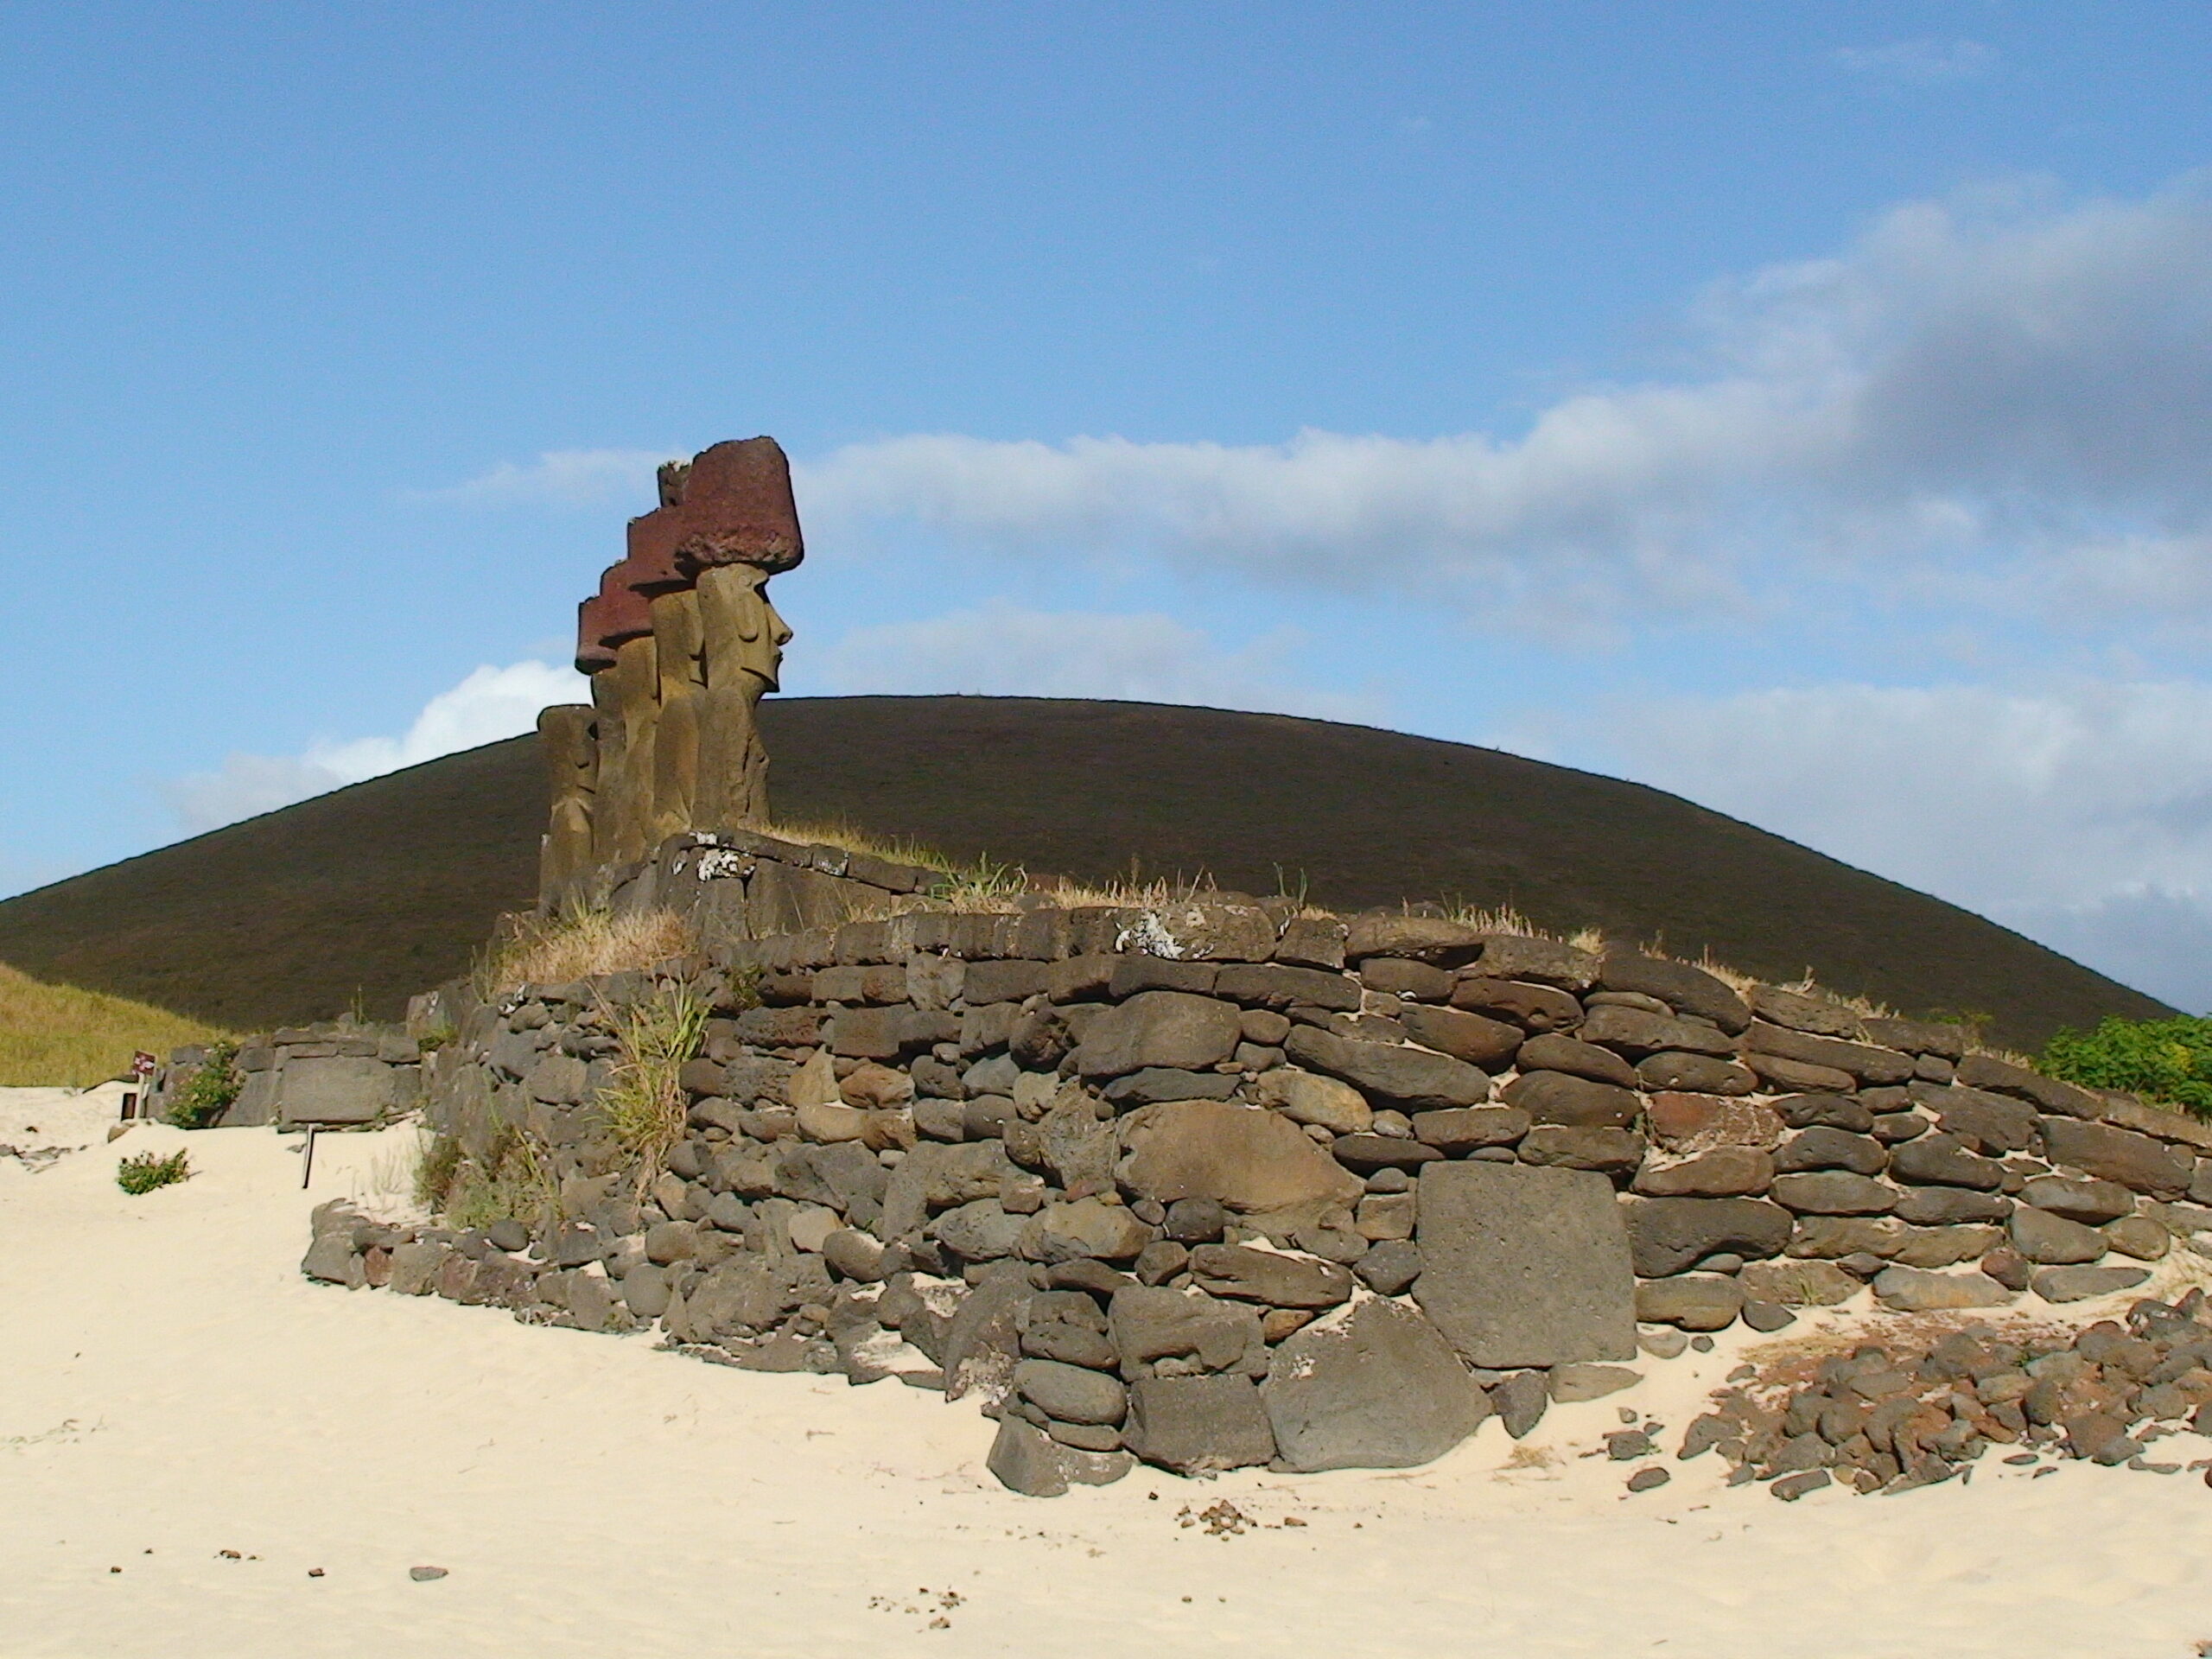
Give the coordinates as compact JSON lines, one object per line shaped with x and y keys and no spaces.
{"x":307,"y":1163}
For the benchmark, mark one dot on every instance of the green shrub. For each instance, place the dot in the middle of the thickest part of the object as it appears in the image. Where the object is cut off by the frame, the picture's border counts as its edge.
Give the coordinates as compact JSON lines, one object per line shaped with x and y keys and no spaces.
{"x":2168,"y":1061}
{"x":208,"y":1092}
{"x":145,"y":1172}
{"x":644,"y":1105}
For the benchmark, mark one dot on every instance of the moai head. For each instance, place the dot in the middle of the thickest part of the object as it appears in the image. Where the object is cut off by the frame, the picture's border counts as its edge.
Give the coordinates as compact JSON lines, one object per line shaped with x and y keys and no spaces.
{"x":569,"y":735}
{"x":743,"y":632}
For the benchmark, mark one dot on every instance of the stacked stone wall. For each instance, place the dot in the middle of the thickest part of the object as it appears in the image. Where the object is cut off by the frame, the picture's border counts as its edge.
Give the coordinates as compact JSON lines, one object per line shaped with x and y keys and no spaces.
{"x":342,"y":1074}
{"x":1225,"y":1183}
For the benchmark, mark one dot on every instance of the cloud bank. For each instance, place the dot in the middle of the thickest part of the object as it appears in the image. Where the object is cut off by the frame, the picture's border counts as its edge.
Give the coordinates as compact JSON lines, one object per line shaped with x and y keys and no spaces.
{"x":1917,"y":63}
{"x":491,"y":703}
{"x":1004,"y":652}
{"x":2081,"y":815}
{"x":559,"y":478}
{"x":1993,"y":400}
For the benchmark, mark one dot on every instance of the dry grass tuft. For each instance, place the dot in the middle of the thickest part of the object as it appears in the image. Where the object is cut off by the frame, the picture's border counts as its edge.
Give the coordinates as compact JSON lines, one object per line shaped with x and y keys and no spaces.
{"x":56,"y":1036}
{"x":1503,"y":919}
{"x":1132,"y":894}
{"x":582,"y":944}
{"x":844,"y":836}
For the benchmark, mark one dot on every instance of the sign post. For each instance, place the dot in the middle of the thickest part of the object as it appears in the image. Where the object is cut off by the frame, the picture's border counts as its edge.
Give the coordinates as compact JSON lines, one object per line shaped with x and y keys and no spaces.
{"x":143,"y":1066}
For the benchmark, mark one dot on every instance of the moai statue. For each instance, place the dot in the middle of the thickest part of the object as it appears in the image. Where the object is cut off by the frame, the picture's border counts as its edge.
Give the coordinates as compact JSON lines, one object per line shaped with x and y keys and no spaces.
{"x":744,"y":640}
{"x":625,"y":692}
{"x":680,"y":643}
{"x":740,"y":527}
{"x":568,"y":738}
{"x":679,"y":661}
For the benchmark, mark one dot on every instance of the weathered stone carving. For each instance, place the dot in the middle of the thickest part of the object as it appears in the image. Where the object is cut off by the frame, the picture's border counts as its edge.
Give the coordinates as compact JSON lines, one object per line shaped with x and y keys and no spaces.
{"x":743,"y":641}
{"x":626,"y":694}
{"x":568,"y":738}
{"x":681,"y":643}
{"x":680,"y":672}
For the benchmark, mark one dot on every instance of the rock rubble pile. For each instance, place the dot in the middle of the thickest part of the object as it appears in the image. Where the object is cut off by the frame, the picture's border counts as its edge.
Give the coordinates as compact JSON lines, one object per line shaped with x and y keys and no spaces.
{"x":1888,"y":1417}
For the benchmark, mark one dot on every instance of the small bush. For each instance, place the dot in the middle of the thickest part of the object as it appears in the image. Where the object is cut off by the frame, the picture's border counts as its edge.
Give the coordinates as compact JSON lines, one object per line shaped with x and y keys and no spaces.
{"x":2168,"y":1061}
{"x":207,"y":1093}
{"x":145,"y":1171}
{"x":644,"y":1105}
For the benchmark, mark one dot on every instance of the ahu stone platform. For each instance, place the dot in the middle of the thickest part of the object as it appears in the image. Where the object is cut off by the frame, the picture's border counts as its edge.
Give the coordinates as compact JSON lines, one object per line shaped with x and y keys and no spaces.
{"x":1225,"y":1183}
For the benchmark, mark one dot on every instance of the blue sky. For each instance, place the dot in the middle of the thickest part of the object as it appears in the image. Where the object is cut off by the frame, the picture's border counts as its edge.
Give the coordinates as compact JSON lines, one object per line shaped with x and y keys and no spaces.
{"x":1804,"y":407}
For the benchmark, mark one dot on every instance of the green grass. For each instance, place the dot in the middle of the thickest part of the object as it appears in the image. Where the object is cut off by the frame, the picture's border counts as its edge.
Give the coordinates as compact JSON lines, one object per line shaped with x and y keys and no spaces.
{"x":435,"y":1173}
{"x":514,"y":1181}
{"x":645,"y":1104}
{"x":57,"y":1036}
{"x":145,"y":1171}
{"x":2165,"y":1061}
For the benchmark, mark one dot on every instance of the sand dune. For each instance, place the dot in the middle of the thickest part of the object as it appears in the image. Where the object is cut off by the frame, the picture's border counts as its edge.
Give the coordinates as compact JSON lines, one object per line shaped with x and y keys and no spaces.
{"x":173,"y":1389}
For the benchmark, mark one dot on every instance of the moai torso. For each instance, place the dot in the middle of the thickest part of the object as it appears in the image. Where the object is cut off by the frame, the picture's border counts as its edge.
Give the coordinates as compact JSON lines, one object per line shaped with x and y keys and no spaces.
{"x":632,"y":690}
{"x":744,"y":640}
{"x":568,"y":741}
{"x":680,"y":671}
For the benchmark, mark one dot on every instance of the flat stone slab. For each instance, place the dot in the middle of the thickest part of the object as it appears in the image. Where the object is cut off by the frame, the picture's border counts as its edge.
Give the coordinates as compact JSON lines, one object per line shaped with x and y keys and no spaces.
{"x":341,"y":1088}
{"x":1195,"y":1424}
{"x":1525,"y":1266}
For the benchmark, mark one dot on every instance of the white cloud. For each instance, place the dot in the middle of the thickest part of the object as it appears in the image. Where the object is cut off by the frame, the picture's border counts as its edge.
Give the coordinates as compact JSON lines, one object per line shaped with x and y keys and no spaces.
{"x":1003,"y":652}
{"x":1920,"y":63}
{"x":490,"y":704}
{"x":561,"y":478}
{"x":2156,"y":940}
{"x":1991,"y":396}
{"x":2081,"y":815}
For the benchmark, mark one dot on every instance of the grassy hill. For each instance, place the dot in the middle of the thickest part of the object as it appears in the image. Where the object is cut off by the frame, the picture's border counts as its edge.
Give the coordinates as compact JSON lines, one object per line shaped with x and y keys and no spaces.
{"x":384,"y":888}
{"x":57,"y":1036}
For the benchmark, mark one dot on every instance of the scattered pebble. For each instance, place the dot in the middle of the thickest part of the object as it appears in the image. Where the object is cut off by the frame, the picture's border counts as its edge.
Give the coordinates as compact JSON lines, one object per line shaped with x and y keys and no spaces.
{"x":424,"y":1574}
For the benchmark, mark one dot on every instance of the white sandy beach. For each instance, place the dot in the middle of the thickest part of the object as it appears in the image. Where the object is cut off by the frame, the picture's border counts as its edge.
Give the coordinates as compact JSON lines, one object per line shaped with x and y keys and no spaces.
{"x":172,"y":1388}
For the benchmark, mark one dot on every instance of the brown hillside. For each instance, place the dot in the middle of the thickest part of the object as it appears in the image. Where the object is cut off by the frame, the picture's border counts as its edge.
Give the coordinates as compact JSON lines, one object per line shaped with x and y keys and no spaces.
{"x":388,"y":887}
